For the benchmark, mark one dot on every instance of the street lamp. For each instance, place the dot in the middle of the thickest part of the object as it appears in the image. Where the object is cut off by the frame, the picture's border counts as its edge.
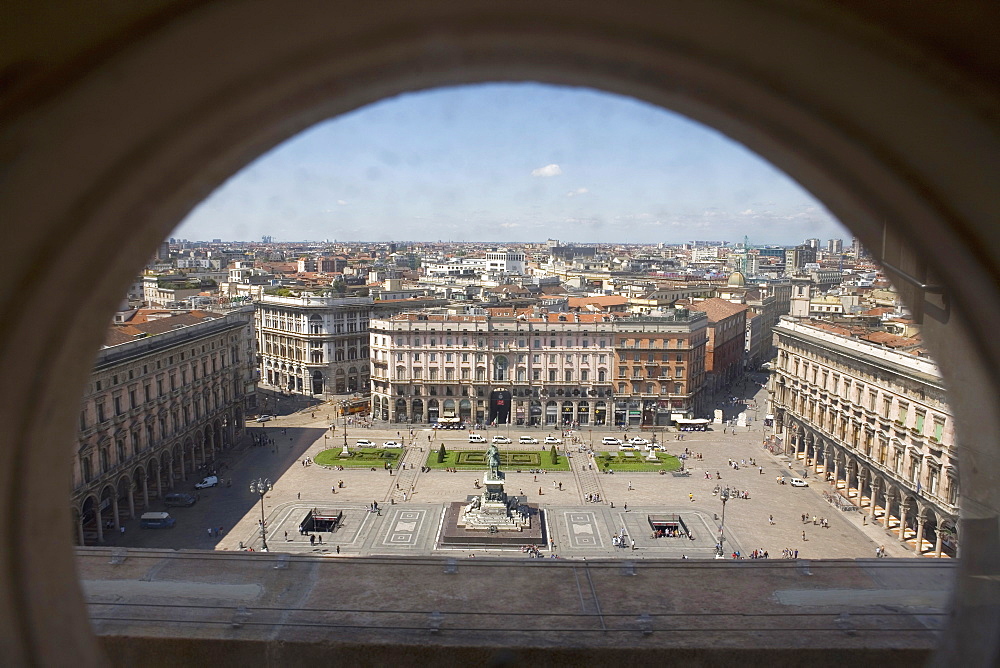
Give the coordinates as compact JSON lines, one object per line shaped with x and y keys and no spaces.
{"x":724,"y":496}
{"x":262,"y":486}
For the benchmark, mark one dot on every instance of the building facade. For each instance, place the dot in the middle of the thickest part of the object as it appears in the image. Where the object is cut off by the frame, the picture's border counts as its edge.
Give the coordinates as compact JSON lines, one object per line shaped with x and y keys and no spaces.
{"x":727,"y":336}
{"x":158,"y":408}
{"x":560,"y":369}
{"x":313,"y":345}
{"x":876,"y":423}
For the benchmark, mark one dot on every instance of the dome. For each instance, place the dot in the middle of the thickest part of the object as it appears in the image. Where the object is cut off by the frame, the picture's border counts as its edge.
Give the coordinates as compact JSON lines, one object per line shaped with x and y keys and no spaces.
{"x":736,"y":280}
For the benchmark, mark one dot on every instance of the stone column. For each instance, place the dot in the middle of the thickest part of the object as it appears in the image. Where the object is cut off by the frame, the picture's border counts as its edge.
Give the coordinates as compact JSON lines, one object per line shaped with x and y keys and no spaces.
{"x":114,"y":511}
{"x":159,"y":481}
{"x":79,"y":529}
{"x":145,"y":490}
{"x":131,"y":501}
{"x":920,"y":534}
{"x":888,"y":500}
{"x":183,"y":471}
{"x":836,"y":475}
{"x":902,"y":521}
{"x":937,"y":541}
{"x":100,"y":521}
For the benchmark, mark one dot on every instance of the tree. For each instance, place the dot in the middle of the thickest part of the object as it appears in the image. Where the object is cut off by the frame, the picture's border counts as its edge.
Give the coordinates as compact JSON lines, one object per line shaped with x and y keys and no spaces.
{"x":442,"y":453}
{"x":555,"y":455}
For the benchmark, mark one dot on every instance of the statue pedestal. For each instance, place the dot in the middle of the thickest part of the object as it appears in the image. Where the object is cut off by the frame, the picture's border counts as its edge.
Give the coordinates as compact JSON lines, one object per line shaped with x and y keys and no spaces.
{"x":493,"y":508}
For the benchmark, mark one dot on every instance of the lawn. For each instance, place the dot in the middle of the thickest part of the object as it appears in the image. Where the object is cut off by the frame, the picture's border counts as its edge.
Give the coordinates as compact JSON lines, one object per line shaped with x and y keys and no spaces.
{"x":638,"y":462}
{"x":360,"y":458}
{"x":517,"y":460}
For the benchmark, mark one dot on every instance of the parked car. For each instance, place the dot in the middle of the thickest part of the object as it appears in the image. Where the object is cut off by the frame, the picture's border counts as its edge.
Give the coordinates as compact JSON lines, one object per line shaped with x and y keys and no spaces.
{"x":638,"y":440}
{"x":182,"y":499}
{"x":654,"y":446}
{"x":798,"y":482}
{"x":527,"y":439}
{"x":628,"y":446}
{"x":392,"y":444}
{"x":611,"y":440}
{"x":159,"y":520}
{"x":265,"y":418}
{"x":364,"y":443}
{"x":476,"y":438}
{"x":501,"y":439}
{"x":552,"y":440}
{"x":209,"y":481}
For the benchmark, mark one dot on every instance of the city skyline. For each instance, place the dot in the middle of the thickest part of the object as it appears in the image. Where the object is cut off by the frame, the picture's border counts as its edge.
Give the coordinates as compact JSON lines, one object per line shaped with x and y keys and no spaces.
{"x":545,"y":162}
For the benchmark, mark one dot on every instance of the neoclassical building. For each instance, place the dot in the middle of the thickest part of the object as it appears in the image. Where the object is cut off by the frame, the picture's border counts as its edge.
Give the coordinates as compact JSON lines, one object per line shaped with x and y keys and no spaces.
{"x":312,"y":344}
{"x":558,"y":369}
{"x":875,"y":421}
{"x":165,"y":397}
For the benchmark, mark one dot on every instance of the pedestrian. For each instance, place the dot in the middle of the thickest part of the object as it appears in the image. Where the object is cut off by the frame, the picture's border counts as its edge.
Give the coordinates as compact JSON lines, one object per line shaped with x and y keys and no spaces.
{"x":864,"y":520}
{"x":539,"y":491}
{"x":209,"y":532}
{"x":691,"y":497}
{"x":299,"y":496}
{"x":625,"y":507}
{"x":122,"y":529}
{"x":312,"y":539}
{"x":219,"y":532}
{"x":286,"y":536}
{"x":338,"y":549}
{"x":770,"y":519}
{"x":803,"y":535}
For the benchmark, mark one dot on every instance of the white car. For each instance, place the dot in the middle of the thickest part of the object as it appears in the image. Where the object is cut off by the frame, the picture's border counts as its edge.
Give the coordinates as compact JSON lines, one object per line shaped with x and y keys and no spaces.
{"x":210,"y":481}
{"x":392,"y":444}
{"x":552,"y":440}
{"x":638,"y":440}
{"x":501,"y":439}
{"x":654,"y":446}
{"x":265,"y":418}
{"x":611,"y":440}
{"x":527,"y":439}
{"x":364,"y":443}
{"x":476,"y":438}
{"x":628,"y":446}
{"x":798,"y":482}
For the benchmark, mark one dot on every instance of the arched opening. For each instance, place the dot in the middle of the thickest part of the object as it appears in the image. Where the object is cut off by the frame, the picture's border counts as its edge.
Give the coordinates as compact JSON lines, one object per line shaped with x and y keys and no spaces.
{"x":860,"y":144}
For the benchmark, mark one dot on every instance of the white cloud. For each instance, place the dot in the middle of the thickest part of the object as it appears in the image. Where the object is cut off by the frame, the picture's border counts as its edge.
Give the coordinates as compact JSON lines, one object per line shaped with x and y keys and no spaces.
{"x":341,"y":202}
{"x":578,"y":191}
{"x":547,"y":170}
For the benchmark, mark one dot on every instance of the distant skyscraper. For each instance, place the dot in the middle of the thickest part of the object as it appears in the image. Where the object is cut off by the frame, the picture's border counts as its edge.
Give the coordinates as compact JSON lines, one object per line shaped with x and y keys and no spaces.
{"x":835,"y":246}
{"x":812,"y":243}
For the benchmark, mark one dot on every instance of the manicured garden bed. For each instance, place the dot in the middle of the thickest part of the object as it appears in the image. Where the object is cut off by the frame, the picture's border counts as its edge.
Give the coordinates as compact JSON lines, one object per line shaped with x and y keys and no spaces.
{"x":637,"y":462}
{"x":517,"y":460}
{"x":360,"y":458}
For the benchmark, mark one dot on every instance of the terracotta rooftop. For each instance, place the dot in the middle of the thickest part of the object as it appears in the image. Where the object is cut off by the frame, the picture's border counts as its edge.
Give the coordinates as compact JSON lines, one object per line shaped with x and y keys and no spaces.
{"x":718,"y":309}
{"x":119,"y":334}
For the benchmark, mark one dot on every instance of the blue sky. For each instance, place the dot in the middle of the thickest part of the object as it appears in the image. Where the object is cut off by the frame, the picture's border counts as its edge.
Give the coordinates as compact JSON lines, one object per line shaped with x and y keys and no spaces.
{"x":510,"y":162}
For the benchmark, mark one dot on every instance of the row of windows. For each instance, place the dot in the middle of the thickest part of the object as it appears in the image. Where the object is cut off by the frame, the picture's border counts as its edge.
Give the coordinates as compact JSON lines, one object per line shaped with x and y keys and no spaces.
{"x":156,"y":430}
{"x":480,"y":342}
{"x":862,"y":438}
{"x":120,"y":402}
{"x":567,"y":358}
{"x":888,"y":405}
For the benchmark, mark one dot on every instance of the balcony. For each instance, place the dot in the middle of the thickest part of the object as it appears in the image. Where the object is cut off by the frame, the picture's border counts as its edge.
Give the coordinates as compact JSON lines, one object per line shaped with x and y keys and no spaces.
{"x":444,"y":618}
